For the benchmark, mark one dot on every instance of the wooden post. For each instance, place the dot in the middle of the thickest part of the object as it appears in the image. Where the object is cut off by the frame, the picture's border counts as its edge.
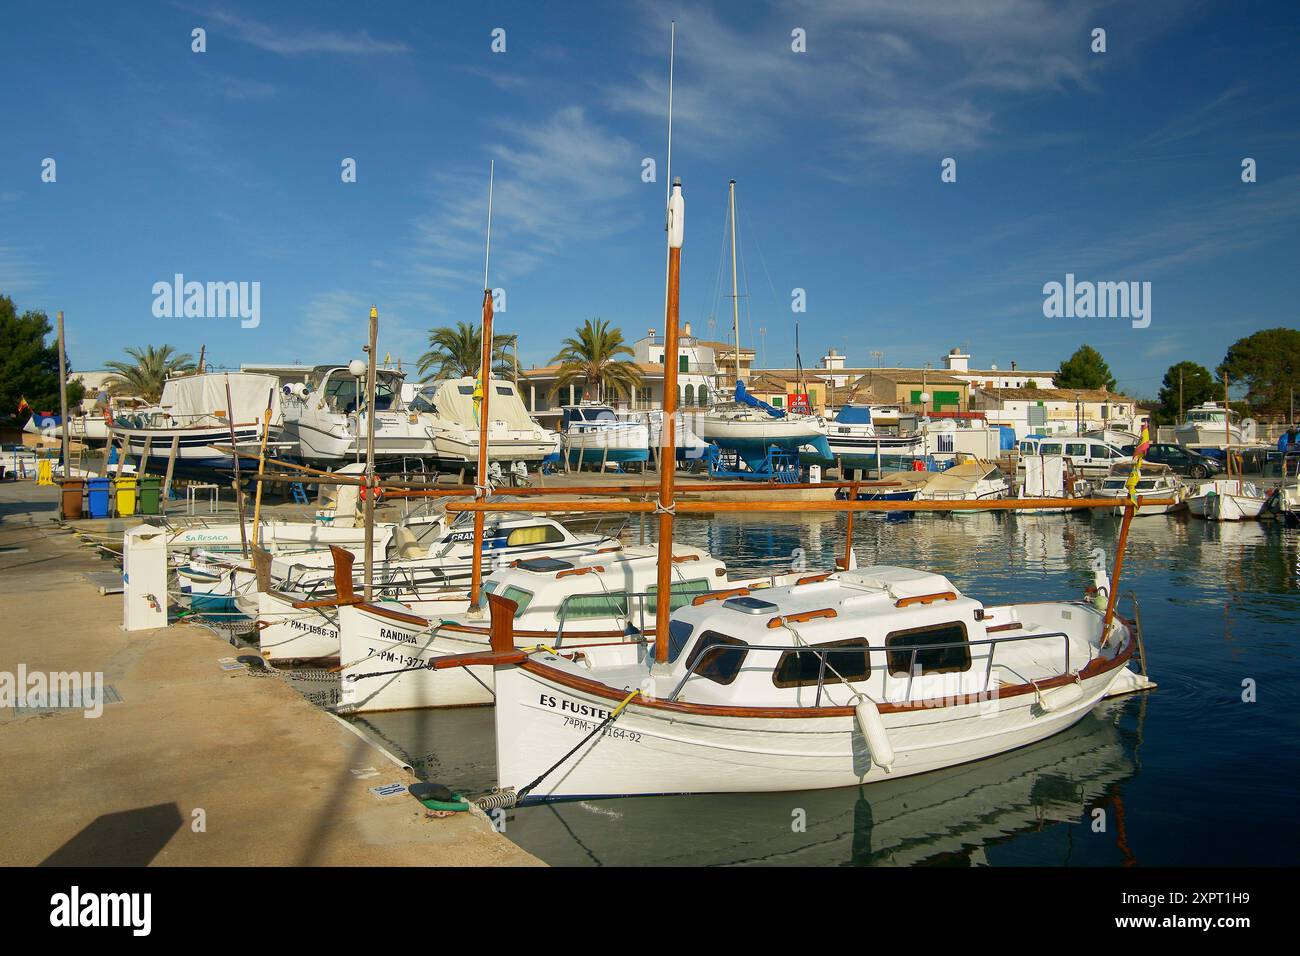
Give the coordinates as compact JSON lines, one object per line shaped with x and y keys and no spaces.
{"x":668,"y":439}
{"x":234,"y":454}
{"x":261,"y":468}
{"x":370,"y":487}
{"x":63,"y":397}
{"x":171,"y":465}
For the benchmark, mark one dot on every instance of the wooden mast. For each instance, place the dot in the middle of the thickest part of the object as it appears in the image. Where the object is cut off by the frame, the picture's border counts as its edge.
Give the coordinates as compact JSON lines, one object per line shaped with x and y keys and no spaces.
{"x":238,"y":482}
{"x":485,"y":387}
{"x":735,"y":290}
{"x":371,"y":487}
{"x":667,"y":434}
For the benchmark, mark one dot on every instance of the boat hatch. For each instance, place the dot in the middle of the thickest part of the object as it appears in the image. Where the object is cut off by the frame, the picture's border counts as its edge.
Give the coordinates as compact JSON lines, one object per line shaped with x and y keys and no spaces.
{"x":546,"y":565}
{"x":750,"y":605}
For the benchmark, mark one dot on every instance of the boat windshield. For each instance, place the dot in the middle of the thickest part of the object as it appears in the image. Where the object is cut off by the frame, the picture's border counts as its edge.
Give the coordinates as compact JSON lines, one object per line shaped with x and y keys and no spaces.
{"x":342,"y":391}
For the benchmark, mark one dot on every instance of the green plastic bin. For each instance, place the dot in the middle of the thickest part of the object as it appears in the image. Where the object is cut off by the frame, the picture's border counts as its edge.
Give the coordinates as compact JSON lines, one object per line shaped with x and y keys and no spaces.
{"x":150,"y":495}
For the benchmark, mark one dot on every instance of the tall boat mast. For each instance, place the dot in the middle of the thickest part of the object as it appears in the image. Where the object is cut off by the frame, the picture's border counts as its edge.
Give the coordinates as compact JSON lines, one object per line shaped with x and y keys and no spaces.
{"x":735,"y":291}
{"x":485,"y":383}
{"x":668,"y":432}
{"x":372,"y":486}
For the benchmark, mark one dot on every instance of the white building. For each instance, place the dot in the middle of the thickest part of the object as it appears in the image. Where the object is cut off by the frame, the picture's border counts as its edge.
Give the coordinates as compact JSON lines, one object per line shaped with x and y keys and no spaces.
{"x":1055,"y":411}
{"x":957,"y":363}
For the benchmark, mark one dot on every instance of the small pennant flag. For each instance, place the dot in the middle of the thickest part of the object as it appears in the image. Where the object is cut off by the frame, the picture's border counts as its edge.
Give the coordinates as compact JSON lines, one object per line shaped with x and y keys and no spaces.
{"x":22,"y":405}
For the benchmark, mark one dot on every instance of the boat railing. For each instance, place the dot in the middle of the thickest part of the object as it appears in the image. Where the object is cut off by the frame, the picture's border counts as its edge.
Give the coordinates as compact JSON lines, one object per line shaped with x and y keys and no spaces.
{"x":912,"y":672}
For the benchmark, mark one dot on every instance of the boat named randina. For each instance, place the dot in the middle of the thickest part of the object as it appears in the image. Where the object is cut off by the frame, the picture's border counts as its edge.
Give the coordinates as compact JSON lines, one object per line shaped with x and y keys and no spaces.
{"x":851,"y":678}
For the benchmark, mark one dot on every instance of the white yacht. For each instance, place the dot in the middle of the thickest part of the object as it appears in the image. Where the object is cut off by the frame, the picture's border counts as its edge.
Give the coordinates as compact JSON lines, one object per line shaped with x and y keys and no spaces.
{"x":326,"y":417}
{"x":1212,"y":424}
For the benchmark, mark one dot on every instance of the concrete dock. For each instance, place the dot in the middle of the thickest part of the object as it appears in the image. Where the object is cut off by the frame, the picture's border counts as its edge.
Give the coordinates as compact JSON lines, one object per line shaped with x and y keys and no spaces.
{"x":189,"y":763}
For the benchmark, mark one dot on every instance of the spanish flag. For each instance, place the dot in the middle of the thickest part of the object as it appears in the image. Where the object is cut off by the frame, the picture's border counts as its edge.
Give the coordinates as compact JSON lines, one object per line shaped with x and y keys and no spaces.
{"x":22,"y":404}
{"x":1144,"y":442}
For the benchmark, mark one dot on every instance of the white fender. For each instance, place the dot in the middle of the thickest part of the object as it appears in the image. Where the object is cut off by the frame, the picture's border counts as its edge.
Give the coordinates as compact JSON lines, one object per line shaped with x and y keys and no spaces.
{"x":873,"y":730}
{"x":1058,"y":698}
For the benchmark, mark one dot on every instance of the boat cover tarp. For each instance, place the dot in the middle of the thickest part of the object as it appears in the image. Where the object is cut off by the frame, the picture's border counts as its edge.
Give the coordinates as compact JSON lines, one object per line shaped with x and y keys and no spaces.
{"x":854,"y":415}
{"x":195,"y":399}
{"x":454,"y":400}
{"x":744,"y":398}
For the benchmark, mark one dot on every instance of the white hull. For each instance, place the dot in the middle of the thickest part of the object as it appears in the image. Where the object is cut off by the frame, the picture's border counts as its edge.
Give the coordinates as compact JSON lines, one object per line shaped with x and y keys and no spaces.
{"x":754,"y":428}
{"x":538,"y":720}
{"x":1227,"y":499}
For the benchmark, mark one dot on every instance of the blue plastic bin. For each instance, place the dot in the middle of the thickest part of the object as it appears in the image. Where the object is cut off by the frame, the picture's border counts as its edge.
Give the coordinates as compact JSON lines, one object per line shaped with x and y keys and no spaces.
{"x":97,"y":497}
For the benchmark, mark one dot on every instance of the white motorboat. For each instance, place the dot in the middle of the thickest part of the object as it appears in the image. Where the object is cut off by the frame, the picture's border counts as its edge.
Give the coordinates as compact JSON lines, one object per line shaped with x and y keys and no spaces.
{"x":197,"y":414}
{"x":594,"y":436}
{"x":1227,"y":499}
{"x":1155,"y":481}
{"x":857,"y":677}
{"x":327,"y":418}
{"x":1211,"y":424}
{"x":449,"y":409}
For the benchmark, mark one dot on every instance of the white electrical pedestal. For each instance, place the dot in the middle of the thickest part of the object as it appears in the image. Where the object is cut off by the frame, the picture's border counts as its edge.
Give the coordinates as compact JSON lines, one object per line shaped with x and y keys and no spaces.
{"x":144,"y":578}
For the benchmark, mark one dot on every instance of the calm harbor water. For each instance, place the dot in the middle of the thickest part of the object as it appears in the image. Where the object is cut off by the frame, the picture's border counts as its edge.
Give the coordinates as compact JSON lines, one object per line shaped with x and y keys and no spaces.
{"x":1187,"y":775}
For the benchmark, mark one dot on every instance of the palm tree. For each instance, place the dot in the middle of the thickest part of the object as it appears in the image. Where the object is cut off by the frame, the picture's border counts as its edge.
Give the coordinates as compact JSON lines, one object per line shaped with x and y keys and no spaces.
{"x":144,"y":377}
{"x":591,"y":359}
{"x":456,"y":353}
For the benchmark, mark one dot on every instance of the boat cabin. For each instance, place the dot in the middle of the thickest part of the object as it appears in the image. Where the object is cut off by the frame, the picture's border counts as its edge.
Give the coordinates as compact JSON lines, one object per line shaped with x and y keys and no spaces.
{"x":339,"y":391}
{"x":601,"y":591}
{"x":588,"y":416}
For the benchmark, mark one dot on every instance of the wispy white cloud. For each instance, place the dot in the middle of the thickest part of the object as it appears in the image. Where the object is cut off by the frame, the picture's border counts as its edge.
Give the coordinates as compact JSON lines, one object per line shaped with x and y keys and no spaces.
{"x":299,"y":42}
{"x":899,"y":77}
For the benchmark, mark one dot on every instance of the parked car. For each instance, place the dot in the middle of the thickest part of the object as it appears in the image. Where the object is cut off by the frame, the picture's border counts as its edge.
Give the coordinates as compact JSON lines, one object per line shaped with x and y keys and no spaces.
{"x":1182,"y":461}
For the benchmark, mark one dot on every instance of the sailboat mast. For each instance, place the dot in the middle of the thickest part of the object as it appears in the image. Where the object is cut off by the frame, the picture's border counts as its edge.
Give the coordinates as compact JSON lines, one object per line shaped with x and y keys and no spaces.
{"x":485,"y":386}
{"x":668,"y":449}
{"x":735,"y":291}
{"x":372,"y":487}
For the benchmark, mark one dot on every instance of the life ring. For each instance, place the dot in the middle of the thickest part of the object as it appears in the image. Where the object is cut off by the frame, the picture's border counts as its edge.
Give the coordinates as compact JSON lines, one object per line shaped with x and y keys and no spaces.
{"x":378,"y":489}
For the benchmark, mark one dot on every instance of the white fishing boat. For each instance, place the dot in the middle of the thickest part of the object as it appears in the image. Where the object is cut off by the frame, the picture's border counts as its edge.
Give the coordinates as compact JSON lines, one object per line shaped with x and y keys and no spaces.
{"x":1155,"y":481}
{"x":863,"y":676}
{"x":594,"y":602}
{"x":448,"y":408}
{"x":594,"y":436}
{"x":297,"y":612}
{"x":197,"y":414}
{"x":1227,"y":499}
{"x":327,"y":418}
{"x":855,"y":442}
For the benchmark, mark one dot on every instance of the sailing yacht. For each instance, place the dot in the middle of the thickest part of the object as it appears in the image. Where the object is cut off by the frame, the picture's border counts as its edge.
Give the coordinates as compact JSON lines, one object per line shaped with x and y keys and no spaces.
{"x":746,"y":424}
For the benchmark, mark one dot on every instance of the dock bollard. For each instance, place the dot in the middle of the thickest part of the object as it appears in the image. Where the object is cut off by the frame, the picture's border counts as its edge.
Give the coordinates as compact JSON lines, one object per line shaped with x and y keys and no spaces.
{"x":144,"y":578}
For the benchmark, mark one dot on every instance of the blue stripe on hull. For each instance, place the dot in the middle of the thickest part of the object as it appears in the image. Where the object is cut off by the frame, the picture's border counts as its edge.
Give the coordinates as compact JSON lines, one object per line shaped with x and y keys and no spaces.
{"x":594,"y":456}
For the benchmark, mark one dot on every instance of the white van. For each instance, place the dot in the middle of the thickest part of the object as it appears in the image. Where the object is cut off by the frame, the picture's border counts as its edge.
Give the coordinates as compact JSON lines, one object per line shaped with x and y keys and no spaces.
{"x":1087,"y":456}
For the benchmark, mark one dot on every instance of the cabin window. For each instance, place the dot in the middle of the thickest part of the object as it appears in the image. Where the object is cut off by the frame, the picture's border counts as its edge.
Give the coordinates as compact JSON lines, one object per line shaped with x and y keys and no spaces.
{"x":605,"y":604}
{"x":803,"y":667}
{"x":519,"y":596}
{"x":681,"y":593}
{"x":931,"y":656}
{"x":679,"y":632}
{"x":505,"y":390}
{"x":465,"y":389}
{"x":714,"y":658}
{"x":534,"y":534}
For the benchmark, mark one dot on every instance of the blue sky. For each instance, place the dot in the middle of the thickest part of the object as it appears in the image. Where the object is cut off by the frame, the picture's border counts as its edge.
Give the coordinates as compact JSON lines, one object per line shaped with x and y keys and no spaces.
{"x":225,"y":166}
